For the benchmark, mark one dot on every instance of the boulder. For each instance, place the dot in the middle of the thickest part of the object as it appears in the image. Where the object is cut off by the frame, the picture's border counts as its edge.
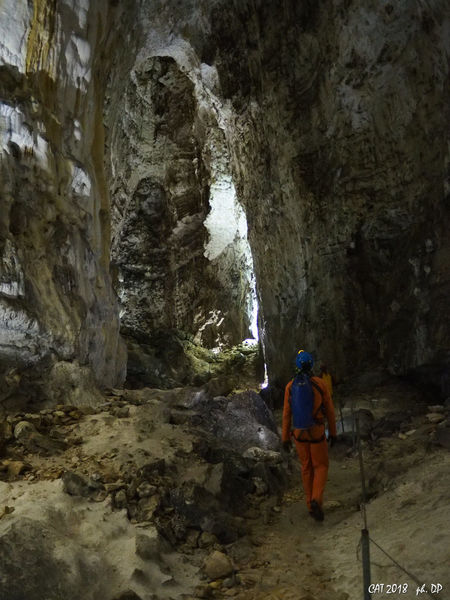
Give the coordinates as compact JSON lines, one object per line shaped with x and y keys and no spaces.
{"x":148,"y":544}
{"x":206,"y":540}
{"x":26,"y":433}
{"x":147,"y":507}
{"x":217,"y":565}
{"x":240,"y":421}
{"x":76,"y":485}
{"x":23,"y":430}
{"x":16,"y":467}
{"x":435,"y":417}
{"x":202,"y":510}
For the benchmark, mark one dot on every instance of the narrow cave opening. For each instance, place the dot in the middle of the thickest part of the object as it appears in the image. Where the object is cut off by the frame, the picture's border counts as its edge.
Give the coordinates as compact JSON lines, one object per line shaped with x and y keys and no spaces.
{"x":227,"y":228}
{"x":185,"y":275}
{"x":227,"y":225}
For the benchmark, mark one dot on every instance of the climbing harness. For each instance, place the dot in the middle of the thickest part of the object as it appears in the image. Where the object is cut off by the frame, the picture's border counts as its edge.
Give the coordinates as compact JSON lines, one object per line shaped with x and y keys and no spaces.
{"x":308,"y":441}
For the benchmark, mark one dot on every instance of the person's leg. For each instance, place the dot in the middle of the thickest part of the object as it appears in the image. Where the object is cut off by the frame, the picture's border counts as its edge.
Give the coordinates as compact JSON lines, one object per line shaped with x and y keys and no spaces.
{"x":304,"y":455}
{"x":319,"y":459}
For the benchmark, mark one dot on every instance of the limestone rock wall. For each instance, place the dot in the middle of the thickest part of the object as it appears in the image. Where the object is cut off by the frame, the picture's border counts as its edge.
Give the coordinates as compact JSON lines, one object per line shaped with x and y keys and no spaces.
{"x":336,"y":118}
{"x":167,"y":157}
{"x":340,"y":139}
{"x":329,"y":121}
{"x":56,"y":299}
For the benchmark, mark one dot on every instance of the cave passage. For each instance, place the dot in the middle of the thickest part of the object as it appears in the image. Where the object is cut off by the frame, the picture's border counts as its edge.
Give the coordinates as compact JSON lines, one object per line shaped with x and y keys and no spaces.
{"x":190,"y":192}
{"x":185,"y":271}
{"x":227,"y":225}
{"x":120,"y":173}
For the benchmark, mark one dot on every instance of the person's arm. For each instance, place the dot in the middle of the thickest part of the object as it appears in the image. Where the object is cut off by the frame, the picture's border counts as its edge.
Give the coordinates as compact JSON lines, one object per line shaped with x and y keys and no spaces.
{"x":287,"y":415}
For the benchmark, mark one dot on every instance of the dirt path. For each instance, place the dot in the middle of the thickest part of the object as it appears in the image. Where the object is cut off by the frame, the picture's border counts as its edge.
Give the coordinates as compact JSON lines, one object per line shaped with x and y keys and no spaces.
{"x":285,"y":560}
{"x":292,"y":557}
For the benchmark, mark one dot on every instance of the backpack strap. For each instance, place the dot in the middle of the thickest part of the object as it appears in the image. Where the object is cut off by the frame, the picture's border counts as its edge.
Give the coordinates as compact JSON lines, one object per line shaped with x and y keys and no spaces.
{"x":290,"y":391}
{"x":317,"y":387}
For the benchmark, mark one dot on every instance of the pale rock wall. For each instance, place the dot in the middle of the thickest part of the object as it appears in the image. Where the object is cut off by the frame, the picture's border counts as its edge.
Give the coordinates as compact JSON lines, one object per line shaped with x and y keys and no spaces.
{"x":56,"y":300}
{"x":336,"y":117}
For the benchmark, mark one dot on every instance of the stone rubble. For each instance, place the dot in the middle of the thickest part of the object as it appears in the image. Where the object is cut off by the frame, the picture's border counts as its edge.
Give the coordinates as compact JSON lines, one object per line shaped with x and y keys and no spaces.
{"x":189,"y":498}
{"x":182,"y":490}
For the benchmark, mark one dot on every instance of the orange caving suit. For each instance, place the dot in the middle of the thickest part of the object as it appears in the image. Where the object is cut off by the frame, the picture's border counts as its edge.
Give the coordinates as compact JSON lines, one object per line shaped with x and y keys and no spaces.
{"x":313,"y":455}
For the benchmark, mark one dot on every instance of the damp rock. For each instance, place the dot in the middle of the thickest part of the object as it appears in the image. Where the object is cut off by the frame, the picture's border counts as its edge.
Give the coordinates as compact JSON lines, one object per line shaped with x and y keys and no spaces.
{"x":240,"y":421}
{"x":76,"y":485}
{"x":217,"y":565}
{"x":148,"y":544}
{"x":120,"y":499}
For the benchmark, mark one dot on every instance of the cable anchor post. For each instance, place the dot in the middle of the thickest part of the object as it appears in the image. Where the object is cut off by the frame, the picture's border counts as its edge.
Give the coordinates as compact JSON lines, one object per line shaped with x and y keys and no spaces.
{"x":365,"y":540}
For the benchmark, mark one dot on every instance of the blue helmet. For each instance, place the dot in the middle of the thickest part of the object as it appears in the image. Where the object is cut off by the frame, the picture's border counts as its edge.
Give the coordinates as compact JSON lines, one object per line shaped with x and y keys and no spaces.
{"x":304,"y":360}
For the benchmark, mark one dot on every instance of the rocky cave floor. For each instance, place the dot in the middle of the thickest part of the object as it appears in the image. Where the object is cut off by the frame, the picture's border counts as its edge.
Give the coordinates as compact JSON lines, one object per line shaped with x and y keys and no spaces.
{"x":182,"y":494}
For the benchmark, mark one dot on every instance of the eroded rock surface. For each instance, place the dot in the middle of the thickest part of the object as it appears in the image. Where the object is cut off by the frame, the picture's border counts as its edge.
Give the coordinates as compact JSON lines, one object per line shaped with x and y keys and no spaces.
{"x":180,"y":267}
{"x":340,"y":155}
{"x":328,"y":124}
{"x":336,"y":119}
{"x":56,"y":299}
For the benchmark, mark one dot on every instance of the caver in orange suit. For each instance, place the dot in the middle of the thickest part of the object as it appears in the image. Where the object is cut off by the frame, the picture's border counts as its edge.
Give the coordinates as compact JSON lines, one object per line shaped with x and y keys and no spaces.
{"x":311,"y":445}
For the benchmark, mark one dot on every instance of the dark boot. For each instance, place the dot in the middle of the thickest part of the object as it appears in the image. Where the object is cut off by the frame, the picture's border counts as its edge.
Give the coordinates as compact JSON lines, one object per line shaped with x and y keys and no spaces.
{"x":316,"y":511}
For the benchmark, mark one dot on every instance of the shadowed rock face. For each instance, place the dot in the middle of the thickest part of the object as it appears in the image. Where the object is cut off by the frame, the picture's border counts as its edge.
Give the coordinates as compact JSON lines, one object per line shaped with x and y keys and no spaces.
{"x":332,"y":122}
{"x":343,"y":174}
{"x":336,"y":118}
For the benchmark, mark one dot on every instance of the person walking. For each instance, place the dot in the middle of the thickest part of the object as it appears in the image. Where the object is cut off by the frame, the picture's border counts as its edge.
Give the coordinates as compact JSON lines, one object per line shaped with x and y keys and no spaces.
{"x":307,"y":403}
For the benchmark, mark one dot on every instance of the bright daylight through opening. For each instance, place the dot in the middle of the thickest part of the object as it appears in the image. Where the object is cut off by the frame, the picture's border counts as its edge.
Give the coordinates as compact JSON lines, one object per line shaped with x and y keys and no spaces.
{"x":227,"y":224}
